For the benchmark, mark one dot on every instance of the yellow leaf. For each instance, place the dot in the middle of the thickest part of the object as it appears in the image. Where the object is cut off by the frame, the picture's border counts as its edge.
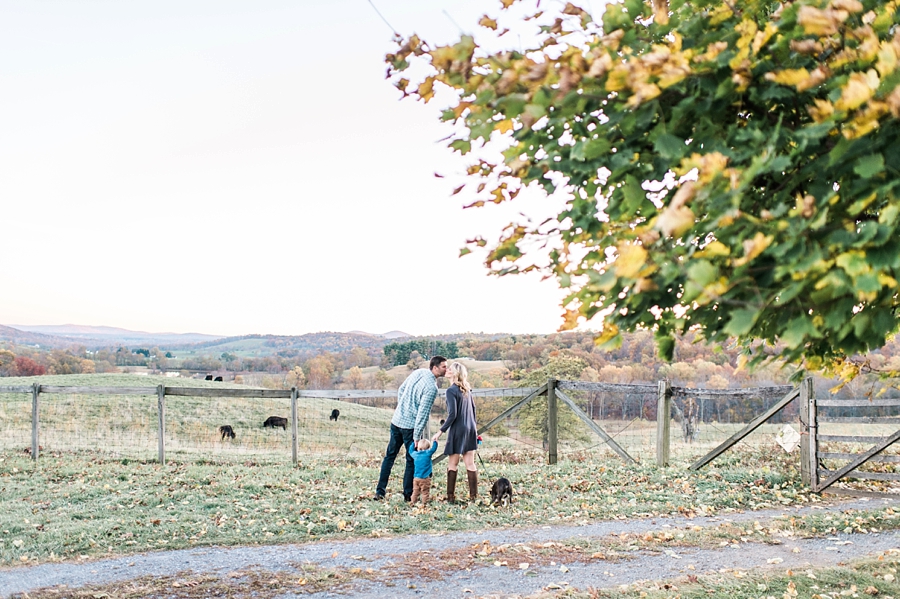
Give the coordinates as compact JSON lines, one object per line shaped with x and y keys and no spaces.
{"x":426,"y":89}
{"x":504,"y":125}
{"x":788,"y":76}
{"x":763,"y":36}
{"x":630,"y":261}
{"x":720,"y":14}
{"x":712,"y":249}
{"x":754,"y":247}
{"x":847,"y":5}
{"x":507,"y":3}
{"x":674,"y":222}
{"x":821,"y":111}
{"x":820,"y":22}
{"x":488,"y":22}
{"x":855,"y":93}
{"x":887,"y":59}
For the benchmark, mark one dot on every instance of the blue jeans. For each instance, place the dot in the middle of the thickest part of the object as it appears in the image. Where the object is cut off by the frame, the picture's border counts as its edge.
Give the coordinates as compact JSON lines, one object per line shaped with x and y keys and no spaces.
{"x":400,"y":437}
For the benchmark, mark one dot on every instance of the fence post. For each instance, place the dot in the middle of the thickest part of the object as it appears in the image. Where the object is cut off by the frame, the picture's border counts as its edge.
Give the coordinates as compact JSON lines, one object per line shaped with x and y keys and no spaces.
{"x":552,"y":421}
{"x":808,"y":445}
{"x":35,"y":422}
{"x":294,"y":394}
{"x":161,"y":406}
{"x":663,"y":423}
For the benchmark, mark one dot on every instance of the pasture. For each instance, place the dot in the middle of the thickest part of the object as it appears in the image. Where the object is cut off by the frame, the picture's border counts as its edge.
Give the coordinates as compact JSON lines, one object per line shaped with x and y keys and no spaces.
{"x":126,"y":426}
{"x":81,"y":505}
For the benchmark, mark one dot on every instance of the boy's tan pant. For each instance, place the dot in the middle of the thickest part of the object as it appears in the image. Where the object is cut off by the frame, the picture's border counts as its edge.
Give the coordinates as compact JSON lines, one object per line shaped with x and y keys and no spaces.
{"x":421,"y":487}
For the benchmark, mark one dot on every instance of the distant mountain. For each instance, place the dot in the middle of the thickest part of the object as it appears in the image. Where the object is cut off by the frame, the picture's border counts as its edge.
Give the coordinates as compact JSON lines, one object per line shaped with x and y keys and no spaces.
{"x":388,"y":335}
{"x":106,"y":336}
{"x":292,"y":345}
{"x":20,"y":337}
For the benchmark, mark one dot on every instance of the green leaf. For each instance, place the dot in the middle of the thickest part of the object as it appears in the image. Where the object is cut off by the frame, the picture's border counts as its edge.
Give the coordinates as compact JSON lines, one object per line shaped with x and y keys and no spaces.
{"x":797,"y":331}
{"x":462,"y":145}
{"x":702,"y":272}
{"x":634,"y":195}
{"x":670,"y":147}
{"x":742,"y":321}
{"x":590,"y":149}
{"x":869,"y":166}
{"x":666,"y":346}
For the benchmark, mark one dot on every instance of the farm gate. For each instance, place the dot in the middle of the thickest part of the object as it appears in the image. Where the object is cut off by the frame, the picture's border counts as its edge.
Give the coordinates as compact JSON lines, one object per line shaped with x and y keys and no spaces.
{"x":852,"y":443}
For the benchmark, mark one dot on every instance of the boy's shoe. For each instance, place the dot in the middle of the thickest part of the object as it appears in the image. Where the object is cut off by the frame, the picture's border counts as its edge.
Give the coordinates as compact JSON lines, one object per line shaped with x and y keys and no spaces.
{"x":378,"y":497}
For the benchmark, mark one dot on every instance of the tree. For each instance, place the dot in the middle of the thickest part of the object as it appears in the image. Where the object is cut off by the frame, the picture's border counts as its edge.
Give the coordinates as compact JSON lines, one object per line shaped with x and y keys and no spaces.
{"x":355,"y":378}
{"x":728,"y":168}
{"x":382,"y":379}
{"x":533,"y":419}
{"x":25,"y":366}
{"x":295,"y":378}
{"x":7,"y":363}
{"x":320,"y":370}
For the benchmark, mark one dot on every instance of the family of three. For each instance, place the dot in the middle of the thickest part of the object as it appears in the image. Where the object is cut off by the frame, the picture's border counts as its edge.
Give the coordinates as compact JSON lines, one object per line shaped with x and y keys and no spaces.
{"x":409,"y":430}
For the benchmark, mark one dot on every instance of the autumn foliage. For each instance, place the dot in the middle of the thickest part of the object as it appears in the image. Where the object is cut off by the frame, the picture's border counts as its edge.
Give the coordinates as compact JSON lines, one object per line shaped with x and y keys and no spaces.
{"x":727,"y":166}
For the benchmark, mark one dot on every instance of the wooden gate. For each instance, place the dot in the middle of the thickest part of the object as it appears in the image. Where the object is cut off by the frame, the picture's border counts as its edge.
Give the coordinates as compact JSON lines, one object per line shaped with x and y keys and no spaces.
{"x":849,"y":438}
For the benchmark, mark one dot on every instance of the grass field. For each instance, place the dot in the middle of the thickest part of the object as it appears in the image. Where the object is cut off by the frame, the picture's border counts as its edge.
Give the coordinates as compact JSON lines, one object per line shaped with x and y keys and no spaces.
{"x":74,"y":504}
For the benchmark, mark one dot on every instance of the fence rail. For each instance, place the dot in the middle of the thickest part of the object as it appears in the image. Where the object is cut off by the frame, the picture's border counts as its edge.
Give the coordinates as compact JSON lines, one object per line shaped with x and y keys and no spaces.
{"x":599,"y":407}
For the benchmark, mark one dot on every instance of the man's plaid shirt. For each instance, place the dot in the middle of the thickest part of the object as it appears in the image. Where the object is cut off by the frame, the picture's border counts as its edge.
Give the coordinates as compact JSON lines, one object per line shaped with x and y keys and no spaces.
{"x":414,"y":400}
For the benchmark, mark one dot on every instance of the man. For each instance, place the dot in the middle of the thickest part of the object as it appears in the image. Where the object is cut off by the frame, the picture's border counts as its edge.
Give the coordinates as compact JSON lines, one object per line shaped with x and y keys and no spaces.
{"x":414,"y":401}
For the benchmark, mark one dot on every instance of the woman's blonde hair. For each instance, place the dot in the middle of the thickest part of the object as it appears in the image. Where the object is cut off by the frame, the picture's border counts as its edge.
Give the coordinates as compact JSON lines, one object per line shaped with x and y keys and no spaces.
{"x":460,"y":376}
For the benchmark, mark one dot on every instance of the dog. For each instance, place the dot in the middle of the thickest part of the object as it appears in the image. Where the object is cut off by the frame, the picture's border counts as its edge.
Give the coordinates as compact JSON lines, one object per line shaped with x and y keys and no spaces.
{"x":226,"y":431}
{"x":501,"y":492}
{"x":275,"y":421}
{"x":334,"y":414}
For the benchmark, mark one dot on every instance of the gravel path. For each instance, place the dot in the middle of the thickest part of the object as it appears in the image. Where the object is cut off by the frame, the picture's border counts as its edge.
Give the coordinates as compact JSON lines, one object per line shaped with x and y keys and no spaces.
{"x":486,"y":581}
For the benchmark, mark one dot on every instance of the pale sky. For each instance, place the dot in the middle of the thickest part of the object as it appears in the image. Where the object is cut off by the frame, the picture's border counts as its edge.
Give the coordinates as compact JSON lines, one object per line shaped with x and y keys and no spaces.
{"x":238,"y":167}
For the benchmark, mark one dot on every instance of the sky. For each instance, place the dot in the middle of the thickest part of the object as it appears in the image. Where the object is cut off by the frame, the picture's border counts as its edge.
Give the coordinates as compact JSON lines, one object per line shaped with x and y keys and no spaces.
{"x":239,"y":167}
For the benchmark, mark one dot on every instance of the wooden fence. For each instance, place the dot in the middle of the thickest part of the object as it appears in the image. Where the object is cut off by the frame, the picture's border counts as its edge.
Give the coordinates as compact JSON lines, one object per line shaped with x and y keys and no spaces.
{"x":553,"y":392}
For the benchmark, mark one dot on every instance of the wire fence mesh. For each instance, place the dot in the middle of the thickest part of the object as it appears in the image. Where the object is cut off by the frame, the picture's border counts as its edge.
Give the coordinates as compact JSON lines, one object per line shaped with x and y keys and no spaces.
{"x":15,"y":421}
{"x":355,"y":426}
{"x":705,"y":418}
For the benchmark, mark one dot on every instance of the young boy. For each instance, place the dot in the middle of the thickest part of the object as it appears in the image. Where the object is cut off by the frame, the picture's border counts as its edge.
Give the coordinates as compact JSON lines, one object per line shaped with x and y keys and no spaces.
{"x":421,"y":456}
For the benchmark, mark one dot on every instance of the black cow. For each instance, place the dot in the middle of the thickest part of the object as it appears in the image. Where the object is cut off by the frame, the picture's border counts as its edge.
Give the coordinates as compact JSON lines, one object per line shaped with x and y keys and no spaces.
{"x":218,"y":379}
{"x":226,"y":431}
{"x":274,"y":421}
{"x":334,"y":414}
{"x":208,"y":377}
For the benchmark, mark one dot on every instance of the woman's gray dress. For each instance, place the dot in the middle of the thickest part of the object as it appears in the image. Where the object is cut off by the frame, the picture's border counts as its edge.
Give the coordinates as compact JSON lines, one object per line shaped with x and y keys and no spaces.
{"x":462,"y":432}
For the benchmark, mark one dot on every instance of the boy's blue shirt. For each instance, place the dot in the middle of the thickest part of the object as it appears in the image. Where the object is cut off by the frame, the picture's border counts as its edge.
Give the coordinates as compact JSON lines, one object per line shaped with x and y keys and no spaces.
{"x":422,"y":459}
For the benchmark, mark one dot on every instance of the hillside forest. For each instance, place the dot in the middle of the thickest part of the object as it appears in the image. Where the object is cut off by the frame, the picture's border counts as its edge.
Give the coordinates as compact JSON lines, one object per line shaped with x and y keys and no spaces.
{"x":352,"y":361}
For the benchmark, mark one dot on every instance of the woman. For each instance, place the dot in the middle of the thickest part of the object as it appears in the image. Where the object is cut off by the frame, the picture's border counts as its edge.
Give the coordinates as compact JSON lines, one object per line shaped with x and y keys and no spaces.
{"x":462,"y":435}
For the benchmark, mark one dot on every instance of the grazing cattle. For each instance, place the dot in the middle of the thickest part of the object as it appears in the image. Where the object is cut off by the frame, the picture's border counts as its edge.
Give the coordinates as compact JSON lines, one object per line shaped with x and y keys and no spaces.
{"x":226,"y":431}
{"x":501,"y":492}
{"x":218,"y":379}
{"x":274,"y":421}
{"x":208,"y":377}
{"x":334,"y":414}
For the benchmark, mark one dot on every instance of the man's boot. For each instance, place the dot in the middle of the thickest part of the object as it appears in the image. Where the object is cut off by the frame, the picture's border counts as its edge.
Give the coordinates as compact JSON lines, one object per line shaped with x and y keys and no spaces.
{"x":451,"y":486}
{"x":473,"y":484}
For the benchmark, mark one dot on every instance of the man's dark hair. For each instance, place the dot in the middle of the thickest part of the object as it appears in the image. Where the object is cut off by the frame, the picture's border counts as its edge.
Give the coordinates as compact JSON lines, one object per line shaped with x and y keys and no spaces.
{"x":436,"y":361}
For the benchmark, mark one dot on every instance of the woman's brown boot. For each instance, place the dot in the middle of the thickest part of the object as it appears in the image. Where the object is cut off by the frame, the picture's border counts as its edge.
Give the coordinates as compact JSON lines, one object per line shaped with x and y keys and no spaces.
{"x":473,"y":484}
{"x":451,"y":486}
